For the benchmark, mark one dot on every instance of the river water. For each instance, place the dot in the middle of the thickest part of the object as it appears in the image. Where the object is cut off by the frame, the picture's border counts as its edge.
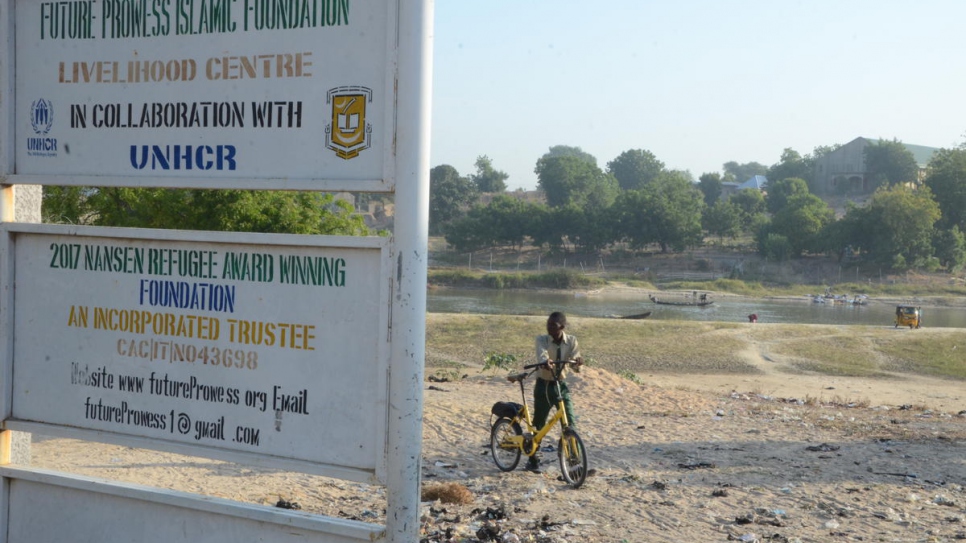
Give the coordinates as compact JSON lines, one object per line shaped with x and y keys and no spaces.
{"x":725,"y":308}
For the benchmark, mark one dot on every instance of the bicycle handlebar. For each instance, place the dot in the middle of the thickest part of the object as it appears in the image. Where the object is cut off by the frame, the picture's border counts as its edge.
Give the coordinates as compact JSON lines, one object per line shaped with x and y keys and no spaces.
{"x":560,"y":362}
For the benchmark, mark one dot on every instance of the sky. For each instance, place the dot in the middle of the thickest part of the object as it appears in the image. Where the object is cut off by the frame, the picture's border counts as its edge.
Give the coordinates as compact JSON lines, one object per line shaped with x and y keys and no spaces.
{"x":697,"y":83}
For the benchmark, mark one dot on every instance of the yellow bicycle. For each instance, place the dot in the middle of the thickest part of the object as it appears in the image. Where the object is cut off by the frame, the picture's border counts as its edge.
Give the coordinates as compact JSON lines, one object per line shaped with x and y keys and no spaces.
{"x":509,"y":440}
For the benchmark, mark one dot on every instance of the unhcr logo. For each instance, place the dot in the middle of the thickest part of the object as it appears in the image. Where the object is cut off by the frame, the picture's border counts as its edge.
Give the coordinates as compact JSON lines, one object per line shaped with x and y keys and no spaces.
{"x":41,"y":116}
{"x":41,"y":120}
{"x":347,"y":132}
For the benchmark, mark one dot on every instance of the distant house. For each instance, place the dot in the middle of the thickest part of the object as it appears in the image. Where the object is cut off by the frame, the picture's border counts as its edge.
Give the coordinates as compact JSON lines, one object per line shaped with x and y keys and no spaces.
{"x":728,"y":188}
{"x":843,"y":170}
{"x":757,"y":182}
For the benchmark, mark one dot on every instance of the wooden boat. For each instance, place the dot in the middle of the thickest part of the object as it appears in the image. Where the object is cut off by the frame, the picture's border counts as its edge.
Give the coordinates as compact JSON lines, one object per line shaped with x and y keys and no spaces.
{"x":637,"y":316}
{"x":701,"y":302}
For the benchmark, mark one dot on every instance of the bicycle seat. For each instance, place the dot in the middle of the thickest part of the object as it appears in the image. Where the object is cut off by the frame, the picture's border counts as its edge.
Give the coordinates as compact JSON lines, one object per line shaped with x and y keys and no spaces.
{"x":517,"y":377}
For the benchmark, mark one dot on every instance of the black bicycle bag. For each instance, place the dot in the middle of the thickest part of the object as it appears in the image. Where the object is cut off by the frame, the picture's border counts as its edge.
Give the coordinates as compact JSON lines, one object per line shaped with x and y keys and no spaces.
{"x":506,"y":409}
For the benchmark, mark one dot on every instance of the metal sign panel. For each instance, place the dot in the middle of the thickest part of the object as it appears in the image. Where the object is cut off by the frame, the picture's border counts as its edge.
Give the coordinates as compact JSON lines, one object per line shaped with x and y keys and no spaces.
{"x":48,"y":506}
{"x":221,"y":89}
{"x":266,"y":344}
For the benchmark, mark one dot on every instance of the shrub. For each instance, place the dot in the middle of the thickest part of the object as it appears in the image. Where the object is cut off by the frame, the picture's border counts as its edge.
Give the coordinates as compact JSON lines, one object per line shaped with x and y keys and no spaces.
{"x":502,"y":361}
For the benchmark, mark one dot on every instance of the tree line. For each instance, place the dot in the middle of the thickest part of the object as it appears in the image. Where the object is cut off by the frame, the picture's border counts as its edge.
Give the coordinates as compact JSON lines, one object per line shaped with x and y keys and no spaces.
{"x":913,"y":219}
{"x":910,"y":220}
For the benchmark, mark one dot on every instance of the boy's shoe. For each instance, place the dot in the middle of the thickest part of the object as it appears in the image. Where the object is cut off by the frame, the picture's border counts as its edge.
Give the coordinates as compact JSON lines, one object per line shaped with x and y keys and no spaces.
{"x":533,"y":465}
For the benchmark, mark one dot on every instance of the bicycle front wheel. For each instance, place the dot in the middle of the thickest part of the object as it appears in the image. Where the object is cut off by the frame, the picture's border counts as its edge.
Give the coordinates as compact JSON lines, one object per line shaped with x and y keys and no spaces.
{"x":506,"y":454}
{"x":573,"y":458}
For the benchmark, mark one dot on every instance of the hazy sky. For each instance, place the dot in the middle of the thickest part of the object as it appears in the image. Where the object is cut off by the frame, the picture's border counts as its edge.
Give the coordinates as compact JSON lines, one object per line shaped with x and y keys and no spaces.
{"x":697,"y":83}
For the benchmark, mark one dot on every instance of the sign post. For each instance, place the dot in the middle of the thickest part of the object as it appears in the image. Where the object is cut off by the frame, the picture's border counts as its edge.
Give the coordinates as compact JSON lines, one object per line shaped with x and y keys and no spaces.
{"x":410,"y":261}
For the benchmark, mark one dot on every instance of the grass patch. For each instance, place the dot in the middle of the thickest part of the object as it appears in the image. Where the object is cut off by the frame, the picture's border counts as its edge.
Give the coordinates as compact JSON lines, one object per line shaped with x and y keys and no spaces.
{"x":847,"y":356}
{"x":938,"y":355}
{"x":781,"y":332}
{"x":613,"y":344}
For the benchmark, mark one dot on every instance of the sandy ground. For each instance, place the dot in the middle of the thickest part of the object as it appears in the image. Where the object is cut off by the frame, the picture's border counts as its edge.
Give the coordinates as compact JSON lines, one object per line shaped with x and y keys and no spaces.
{"x":695,"y":458}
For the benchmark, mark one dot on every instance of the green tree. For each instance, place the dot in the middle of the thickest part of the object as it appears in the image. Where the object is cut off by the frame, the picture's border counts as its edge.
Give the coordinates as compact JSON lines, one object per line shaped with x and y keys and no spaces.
{"x":634,"y":219}
{"x":504,"y":222}
{"x":469,"y":233}
{"x":635,"y":168}
{"x":751,"y":203}
{"x":711,"y":186}
{"x":590,"y":229}
{"x":949,"y":246}
{"x":896,"y":227}
{"x":791,"y":165}
{"x":488,"y":179}
{"x":547,"y":226}
{"x":890,"y":163}
{"x":723,"y":219}
{"x":851,"y":231}
{"x":666,"y":211}
{"x":801,"y":221}
{"x":215,"y":210}
{"x":567,"y":180}
{"x":947,"y":181}
{"x":744,"y":172}
{"x":781,"y":191}
{"x":568,"y":150}
{"x":65,"y":205}
{"x":775,"y":247}
{"x":450,"y":195}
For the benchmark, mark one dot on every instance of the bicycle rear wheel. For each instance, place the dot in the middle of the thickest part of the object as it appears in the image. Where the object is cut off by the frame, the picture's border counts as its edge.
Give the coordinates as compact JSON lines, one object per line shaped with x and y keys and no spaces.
{"x":573,"y":458}
{"x":506,"y":454}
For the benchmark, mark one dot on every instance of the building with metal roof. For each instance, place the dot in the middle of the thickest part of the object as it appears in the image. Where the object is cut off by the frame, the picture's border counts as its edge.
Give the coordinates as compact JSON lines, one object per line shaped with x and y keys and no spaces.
{"x":844,"y":171}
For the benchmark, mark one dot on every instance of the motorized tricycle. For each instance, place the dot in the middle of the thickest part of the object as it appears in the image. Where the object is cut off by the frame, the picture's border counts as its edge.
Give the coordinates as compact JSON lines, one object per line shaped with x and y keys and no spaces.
{"x":907,"y":315}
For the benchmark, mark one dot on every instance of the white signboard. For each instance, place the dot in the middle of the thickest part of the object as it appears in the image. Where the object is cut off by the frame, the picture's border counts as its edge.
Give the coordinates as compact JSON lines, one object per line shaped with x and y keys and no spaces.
{"x":206,"y":89}
{"x":274,"y":346}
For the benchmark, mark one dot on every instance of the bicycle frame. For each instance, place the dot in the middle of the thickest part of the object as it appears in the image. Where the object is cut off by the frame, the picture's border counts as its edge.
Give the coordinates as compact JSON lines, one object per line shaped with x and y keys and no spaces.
{"x":526,"y":418}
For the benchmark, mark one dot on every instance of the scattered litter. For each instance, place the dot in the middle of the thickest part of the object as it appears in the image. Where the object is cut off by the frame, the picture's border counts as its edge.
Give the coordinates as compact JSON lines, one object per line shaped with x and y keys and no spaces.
{"x":698,"y":465}
{"x":943,"y":500}
{"x":894,"y":474}
{"x":285,"y":504}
